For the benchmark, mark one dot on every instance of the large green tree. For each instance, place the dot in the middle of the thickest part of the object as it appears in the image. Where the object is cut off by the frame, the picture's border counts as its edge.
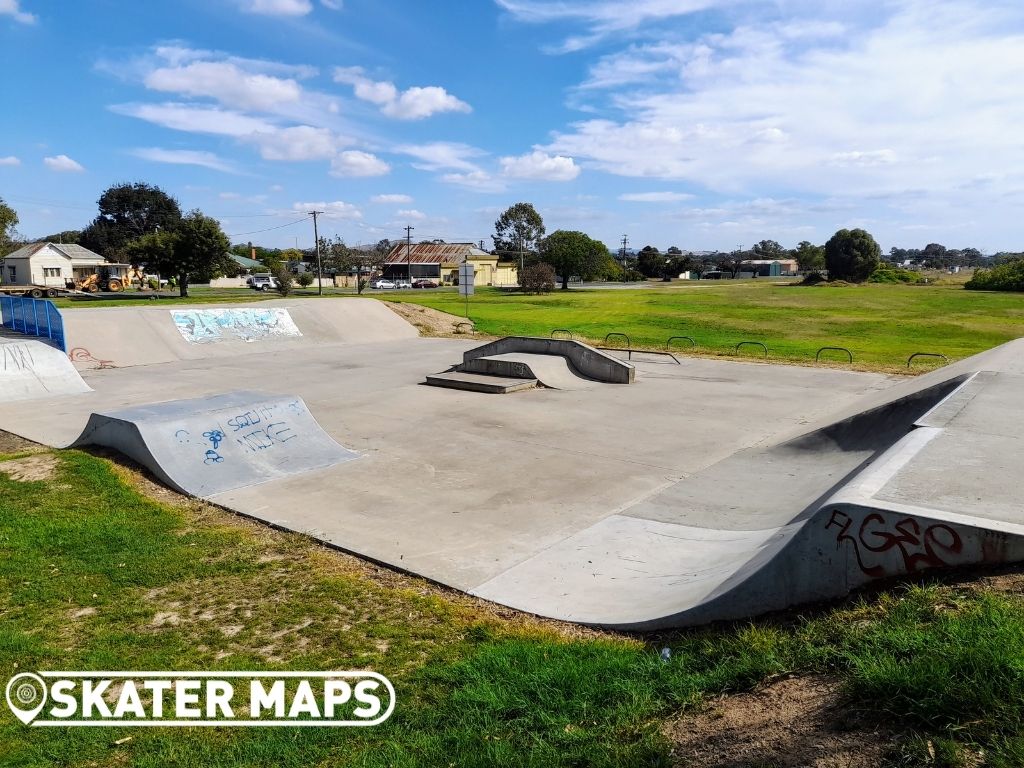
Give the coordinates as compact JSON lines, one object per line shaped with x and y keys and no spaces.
{"x":127,"y":212}
{"x":809,"y":257}
{"x":196,"y":250}
{"x":852,"y":255}
{"x":8,"y":234}
{"x":572,"y":254}
{"x":769,"y":249}
{"x":518,"y":230}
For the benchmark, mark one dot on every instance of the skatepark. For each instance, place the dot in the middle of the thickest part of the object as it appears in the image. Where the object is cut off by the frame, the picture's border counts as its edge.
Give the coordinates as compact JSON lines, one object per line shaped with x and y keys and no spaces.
{"x":543,"y":474}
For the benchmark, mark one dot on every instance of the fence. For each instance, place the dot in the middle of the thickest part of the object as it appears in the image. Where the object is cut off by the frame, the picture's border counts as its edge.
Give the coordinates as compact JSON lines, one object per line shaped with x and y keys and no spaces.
{"x":33,"y":317}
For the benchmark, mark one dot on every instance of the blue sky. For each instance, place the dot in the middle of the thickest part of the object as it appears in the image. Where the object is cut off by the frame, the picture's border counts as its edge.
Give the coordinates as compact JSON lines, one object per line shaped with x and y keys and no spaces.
{"x":697,"y":123}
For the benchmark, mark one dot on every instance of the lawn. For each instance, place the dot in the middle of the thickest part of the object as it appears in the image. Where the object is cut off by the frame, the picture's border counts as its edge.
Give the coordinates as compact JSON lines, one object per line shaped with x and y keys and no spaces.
{"x":100,"y":569}
{"x":882,"y":325}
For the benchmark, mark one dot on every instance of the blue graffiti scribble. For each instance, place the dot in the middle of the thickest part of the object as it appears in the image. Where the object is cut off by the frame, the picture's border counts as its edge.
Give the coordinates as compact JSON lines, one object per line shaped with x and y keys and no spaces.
{"x":212,"y":457}
{"x":215,"y":436}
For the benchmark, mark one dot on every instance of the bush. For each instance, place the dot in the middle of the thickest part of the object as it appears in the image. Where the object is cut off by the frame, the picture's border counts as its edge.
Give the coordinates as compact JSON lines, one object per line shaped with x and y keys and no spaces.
{"x":537,"y":278}
{"x":284,"y":281}
{"x":851,"y":254}
{"x":890,"y":274}
{"x":813,"y":279}
{"x":305,"y":279}
{"x":1005,"y":277}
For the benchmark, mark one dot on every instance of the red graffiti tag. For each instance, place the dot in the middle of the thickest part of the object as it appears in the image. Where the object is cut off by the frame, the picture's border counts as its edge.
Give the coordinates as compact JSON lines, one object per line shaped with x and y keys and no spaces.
{"x":919,"y":549}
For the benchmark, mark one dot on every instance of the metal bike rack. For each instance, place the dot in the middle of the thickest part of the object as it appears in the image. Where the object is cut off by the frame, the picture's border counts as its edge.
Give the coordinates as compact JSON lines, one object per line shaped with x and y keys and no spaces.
{"x":926,"y":354}
{"x":668,"y":343}
{"x":753,"y":343}
{"x":629,"y":344}
{"x":629,"y":352}
{"x":458,"y":326}
{"x":566,"y":331}
{"x":834,"y":349}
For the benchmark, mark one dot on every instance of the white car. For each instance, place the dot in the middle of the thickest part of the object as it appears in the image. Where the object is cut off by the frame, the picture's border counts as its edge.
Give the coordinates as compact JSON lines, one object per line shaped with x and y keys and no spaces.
{"x":403,"y":284}
{"x":262,"y":282}
{"x":382,"y":284}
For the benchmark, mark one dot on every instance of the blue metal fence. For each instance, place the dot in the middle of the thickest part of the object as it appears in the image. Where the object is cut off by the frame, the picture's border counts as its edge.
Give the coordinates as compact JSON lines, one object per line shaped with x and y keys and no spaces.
{"x":33,"y":317}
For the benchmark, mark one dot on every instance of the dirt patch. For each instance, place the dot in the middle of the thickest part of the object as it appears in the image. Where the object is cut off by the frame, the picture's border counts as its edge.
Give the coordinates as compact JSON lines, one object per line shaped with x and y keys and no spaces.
{"x":431,"y":322}
{"x":13,"y":444}
{"x":798,"y":721}
{"x":30,"y":469}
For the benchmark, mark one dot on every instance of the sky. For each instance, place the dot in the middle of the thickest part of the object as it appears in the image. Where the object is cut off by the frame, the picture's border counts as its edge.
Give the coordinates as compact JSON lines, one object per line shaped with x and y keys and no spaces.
{"x":701,"y":124}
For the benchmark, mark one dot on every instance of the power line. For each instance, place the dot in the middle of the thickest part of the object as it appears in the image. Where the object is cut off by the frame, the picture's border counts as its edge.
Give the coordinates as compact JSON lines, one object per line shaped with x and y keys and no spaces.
{"x":268,"y":229}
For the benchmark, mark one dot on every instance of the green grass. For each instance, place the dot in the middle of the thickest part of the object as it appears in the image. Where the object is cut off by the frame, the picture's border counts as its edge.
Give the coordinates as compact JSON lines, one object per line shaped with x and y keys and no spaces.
{"x":94,"y":575}
{"x":881,"y":324}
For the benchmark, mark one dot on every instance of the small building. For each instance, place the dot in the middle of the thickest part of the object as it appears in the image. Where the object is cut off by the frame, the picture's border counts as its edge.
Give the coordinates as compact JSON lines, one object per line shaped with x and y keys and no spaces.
{"x":440,"y":262}
{"x":56,"y":265}
{"x":771,"y":267}
{"x":246,"y":266}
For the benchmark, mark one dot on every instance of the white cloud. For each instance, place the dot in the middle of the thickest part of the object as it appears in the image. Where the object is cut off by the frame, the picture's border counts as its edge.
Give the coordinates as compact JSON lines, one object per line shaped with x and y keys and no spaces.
{"x":196,"y":119}
{"x":391,"y":199}
{"x":296,"y":143}
{"x":356,"y":163}
{"x":540,"y":165}
{"x":411,"y":213}
{"x":479,"y":180}
{"x":229,"y":196}
{"x":919,"y":94}
{"x":62,"y":164}
{"x":184,"y":157}
{"x":277,"y":7}
{"x":10,"y":160}
{"x":336,"y":210}
{"x":12,"y":8}
{"x":227,"y":83}
{"x":414,"y":103}
{"x":654,"y":197}
{"x":333,"y":5}
{"x":442,"y":155}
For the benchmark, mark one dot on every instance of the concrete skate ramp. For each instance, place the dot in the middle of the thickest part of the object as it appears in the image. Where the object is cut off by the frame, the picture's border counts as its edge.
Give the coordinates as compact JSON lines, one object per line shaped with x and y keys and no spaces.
{"x":929,"y":480}
{"x":209,"y":445}
{"x":32,"y":370}
{"x":582,"y":358}
{"x":118,"y":337}
{"x":552,"y":371}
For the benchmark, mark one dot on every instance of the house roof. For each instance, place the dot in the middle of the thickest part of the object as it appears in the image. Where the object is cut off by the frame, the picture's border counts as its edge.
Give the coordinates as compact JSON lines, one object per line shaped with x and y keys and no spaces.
{"x":245,"y":262}
{"x":434,"y":253}
{"x":70,"y":250}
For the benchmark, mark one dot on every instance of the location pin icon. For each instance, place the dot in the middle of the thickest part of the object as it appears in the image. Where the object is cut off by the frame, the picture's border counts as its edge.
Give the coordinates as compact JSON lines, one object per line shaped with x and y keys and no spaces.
{"x":26,"y":696}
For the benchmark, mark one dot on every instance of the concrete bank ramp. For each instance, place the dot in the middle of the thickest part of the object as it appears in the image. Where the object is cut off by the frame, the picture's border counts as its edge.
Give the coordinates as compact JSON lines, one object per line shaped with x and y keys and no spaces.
{"x":209,"y":445}
{"x":552,"y":371}
{"x":32,"y":370}
{"x":927,"y":480}
{"x":118,"y":337}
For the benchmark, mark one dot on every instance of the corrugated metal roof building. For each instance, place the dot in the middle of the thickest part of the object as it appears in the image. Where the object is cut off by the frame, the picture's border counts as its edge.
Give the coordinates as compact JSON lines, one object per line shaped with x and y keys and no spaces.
{"x":440,"y":262}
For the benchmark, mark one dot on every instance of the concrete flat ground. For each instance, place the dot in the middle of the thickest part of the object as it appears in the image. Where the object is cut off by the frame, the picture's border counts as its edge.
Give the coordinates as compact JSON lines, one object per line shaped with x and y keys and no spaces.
{"x":460,"y":486}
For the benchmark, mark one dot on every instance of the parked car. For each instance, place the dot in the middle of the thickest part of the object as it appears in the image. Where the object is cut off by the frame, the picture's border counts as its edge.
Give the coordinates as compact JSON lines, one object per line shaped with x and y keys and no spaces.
{"x":262,"y":283}
{"x":382,"y":284}
{"x":424,"y":284}
{"x":403,"y":284}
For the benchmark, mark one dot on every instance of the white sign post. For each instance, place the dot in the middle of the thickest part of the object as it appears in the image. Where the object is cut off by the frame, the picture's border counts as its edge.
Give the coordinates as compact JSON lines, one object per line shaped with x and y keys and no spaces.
{"x":467,"y":278}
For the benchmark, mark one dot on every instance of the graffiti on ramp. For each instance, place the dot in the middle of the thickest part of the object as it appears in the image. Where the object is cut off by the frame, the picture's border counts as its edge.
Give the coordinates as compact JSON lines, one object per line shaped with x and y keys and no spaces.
{"x":209,"y":326}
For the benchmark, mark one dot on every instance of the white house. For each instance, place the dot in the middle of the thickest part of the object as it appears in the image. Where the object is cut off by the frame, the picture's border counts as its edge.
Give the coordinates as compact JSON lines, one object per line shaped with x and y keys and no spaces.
{"x":54,"y":265}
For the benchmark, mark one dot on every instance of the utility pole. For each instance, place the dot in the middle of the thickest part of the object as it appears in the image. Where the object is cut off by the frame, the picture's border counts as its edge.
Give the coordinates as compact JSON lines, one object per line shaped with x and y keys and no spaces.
{"x":408,"y":251}
{"x":319,"y":269}
{"x":625,"y":242}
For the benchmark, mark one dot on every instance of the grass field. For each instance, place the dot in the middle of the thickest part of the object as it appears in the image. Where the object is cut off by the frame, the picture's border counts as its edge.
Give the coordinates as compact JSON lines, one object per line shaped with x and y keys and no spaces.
{"x":881,"y":324}
{"x":100,"y":569}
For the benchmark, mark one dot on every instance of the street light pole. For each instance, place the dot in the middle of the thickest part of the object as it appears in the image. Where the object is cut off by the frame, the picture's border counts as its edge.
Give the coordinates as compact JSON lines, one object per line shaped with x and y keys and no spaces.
{"x":408,"y":252}
{"x":319,"y":268}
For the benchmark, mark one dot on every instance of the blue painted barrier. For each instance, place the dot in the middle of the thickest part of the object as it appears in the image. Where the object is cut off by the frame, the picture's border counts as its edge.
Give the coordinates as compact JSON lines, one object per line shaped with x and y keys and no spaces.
{"x":33,"y":317}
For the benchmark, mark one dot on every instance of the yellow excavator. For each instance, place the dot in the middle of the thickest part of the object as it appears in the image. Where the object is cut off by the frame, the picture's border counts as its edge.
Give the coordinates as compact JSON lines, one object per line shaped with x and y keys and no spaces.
{"x":100,"y":281}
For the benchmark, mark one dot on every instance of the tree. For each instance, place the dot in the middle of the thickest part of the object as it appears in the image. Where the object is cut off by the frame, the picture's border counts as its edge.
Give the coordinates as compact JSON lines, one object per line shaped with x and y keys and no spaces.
{"x":732,"y":262}
{"x":851,"y":254}
{"x":68,"y":236}
{"x":8,"y":234}
{"x":650,"y":261}
{"x":572,"y":254}
{"x":127,"y":212}
{"x":154,"y":250}
{"x":809,"y":257}
{"x":674,"y":251}
{"x":769,"y":249}
{"x":537,"y":278}
{"x":284,"y":281}
{"x":518,"y":230}
{"x":199,"y":250}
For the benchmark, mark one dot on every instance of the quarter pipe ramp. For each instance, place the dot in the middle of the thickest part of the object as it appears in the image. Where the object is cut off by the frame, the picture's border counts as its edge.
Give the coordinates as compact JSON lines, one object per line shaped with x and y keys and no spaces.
{"x":32,"y":370}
